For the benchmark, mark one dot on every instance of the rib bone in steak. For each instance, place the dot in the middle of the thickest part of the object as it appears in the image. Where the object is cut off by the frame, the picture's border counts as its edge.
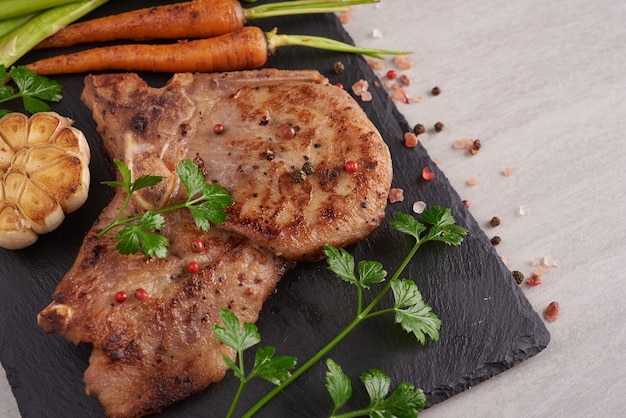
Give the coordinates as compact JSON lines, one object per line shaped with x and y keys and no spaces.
{"x":279,"y":141}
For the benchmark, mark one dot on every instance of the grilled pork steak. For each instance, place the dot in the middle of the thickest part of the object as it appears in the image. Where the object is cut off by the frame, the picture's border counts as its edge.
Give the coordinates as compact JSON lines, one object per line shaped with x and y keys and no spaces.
{"x":279,"y":141}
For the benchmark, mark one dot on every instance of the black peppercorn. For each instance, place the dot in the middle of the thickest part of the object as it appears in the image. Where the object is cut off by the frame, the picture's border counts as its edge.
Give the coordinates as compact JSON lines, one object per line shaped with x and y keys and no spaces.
{"x":439,"y":126}
{"x":419,"y":129}
{"x":518,"y":276}
{"x":495,"y":221}
{"x":496,"y":240}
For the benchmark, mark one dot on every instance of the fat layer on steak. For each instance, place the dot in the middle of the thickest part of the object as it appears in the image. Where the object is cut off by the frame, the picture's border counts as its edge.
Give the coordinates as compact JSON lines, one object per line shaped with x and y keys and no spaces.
{"x":281,"y":153}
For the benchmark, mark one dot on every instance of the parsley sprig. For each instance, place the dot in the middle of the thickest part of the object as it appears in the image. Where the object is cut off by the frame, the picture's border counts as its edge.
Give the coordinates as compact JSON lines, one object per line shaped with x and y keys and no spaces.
{"x":411,"y":311}
{"x":33,"y":89}
{"x":404,"y":402}
{"x":205,"y":201}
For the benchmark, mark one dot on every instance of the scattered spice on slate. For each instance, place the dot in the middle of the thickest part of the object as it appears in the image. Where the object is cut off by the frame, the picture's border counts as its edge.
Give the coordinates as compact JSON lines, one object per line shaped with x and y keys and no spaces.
{"x":436,"y":91}
{"x":410,"y":140}
{"x":495,"y":240}
{"x":518,"y":276}
{"x":439,"y":126}
{"x":396,"y":194}
{"x":427,"y":174}
{"x":495,"y":221}
{"x":338,"y":67}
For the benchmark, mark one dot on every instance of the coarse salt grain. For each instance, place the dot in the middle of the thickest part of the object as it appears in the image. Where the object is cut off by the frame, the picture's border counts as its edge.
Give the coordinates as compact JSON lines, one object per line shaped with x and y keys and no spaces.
{"x":376,"y":64}
{"x":396,"y":195}
{"x":462,"y":143}
{"x":508,"y":171}
{"x":472,"y":181}
{"x":523,"y":210}
{"x":419,"y":206}
{"x":402,"y":62}
{"x":377,"y":33}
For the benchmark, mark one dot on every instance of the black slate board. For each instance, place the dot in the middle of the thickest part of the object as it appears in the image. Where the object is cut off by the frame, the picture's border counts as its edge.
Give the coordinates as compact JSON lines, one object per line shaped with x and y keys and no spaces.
{"x":488,"y":325}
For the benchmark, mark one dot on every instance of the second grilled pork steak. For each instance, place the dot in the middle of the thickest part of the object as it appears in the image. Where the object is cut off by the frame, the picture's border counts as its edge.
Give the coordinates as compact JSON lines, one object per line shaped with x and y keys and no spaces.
{"x":148,"y":353}
{"x":278,"y":140}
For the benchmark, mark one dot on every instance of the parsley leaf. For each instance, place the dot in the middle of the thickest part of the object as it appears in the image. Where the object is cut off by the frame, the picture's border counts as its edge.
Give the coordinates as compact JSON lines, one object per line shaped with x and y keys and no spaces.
{"x":404,"y":402}
{"x":273,"y":369}
{"x":33,"y":89}
{"x":412,"y":313}
{"x":241,"y":337}
{"x":341,"y":263}
{"x":206,"y":202}
{"x":338,"y":385}
{"x":233,"y":335}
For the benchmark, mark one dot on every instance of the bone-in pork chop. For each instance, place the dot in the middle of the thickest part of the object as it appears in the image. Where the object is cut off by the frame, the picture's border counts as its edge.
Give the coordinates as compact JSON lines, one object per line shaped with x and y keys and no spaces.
{"x":151,"y":351}
{"x":279,"y":141}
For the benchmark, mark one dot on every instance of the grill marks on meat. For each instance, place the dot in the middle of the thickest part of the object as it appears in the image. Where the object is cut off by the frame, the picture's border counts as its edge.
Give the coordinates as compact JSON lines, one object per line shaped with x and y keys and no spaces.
{"x":148,"y":354}
{"x":275,"y":206}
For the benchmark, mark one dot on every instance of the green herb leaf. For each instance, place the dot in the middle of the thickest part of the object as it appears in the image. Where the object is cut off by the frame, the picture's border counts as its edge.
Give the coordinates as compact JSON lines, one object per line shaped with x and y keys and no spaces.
{"x":341,"y":262}
{"x":34,"y":90}
{"x":233,"y":334}
{"x":273,"y":369}
{"x":404,"y":402}
{"x":191,"y":177}
{"x":145,"y":181}
{"x":377,"y":384}
{"x":408,"y":225}
{"x":443,"y":227}
{"x":338,"y":385}
{"x":371,"y":272}
{"x":206,"y":208}
{"x":234,"y":367}
{"x":412,"y":313}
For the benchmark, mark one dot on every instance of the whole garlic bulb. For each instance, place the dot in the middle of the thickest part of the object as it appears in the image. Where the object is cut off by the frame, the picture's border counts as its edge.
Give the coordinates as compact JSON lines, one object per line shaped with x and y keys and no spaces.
{"x":44,"y":174}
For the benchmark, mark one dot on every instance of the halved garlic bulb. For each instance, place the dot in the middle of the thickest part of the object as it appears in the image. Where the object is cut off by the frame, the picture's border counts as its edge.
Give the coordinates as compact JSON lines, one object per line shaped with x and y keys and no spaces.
{"x":44,"y":175}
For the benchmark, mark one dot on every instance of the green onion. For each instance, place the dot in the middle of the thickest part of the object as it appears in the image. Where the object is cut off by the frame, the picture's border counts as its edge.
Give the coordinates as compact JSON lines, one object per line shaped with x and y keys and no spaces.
{"x":16,"y":8}
{"x":15,"y":44}
{"x":301,"y":7}
{"x":8,"y":25}
{"x":275,"y":41}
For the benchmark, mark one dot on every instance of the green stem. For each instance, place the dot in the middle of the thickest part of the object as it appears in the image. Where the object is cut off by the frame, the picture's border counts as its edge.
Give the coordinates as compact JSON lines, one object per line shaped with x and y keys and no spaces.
{"x":275,"y":41}
{"x":15,"y":44}
{"x":8,"y":25}
{"x":364,"y":412}
{"x":242,"y":385}
{"x":361,"y":316}
{"x":300,"y":7}
{"x":15,"y":8}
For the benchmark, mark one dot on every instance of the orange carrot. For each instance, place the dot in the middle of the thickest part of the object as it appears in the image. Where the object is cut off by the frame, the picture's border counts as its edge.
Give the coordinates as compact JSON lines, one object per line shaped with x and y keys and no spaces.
{"x":193,"y":19}
{"x":242,"y":49}
{"x":188,"y":20}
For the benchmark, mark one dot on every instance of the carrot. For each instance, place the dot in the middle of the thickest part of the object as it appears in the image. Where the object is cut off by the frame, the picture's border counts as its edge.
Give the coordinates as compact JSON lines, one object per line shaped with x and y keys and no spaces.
{"x":242,"y":49}
{"x":187,"y":20}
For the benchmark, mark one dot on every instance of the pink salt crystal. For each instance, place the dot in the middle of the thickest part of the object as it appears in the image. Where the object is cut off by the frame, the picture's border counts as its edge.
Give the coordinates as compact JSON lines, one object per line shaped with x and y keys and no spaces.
{"x":535,"y":262}
{"x":417,"y":99}
{"x":366,"y":96}
{"x":396,"y":195}
{"x":376,"y":64}
{"x":419,"y":206}
{"x":402,"y":62}
{"x":541,"y":270}
{"x":462,"y":143}
{"x":422,"y":137}
{"x":508,"y":171}
{"x":346,"y":17}
{"x":472,"y":181}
